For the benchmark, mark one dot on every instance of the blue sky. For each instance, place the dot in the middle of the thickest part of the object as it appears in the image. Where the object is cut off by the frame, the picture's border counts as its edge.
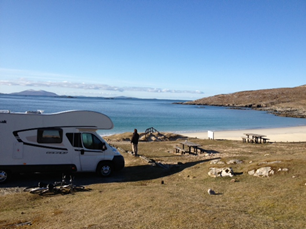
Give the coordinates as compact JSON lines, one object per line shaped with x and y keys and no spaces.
{"x":168,"y":49}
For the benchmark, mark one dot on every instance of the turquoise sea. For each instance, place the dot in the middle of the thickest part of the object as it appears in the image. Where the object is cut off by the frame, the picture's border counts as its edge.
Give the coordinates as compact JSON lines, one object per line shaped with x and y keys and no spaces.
{"x":163,"y":115}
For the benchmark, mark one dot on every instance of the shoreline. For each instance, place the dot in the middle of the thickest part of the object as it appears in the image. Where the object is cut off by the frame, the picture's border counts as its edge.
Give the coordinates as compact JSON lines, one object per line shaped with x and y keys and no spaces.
{"x":281,"y":134}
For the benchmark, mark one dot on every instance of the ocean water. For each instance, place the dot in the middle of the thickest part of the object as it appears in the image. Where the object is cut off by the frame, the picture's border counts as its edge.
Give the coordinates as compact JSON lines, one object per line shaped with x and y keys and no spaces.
{"x":163,"y":115}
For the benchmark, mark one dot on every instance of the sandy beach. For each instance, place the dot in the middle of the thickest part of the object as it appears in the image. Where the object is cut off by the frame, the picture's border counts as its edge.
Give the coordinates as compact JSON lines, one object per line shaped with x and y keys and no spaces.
{"x":287,"y":134}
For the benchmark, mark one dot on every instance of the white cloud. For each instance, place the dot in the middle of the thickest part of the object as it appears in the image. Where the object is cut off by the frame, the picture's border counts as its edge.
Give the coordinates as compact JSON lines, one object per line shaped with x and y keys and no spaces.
{"x":65,"y":84}
{"x":29,"y":79}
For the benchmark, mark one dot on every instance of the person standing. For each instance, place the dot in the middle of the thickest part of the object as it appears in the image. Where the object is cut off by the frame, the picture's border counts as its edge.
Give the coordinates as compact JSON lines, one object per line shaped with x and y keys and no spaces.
{"x":134,"y":142}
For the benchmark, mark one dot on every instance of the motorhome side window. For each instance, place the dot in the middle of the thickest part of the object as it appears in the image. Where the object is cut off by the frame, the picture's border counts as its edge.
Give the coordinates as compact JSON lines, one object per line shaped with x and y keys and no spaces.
{"x":90,"y":141}
{"x":74,"y":139}
{"x":49,"y":135}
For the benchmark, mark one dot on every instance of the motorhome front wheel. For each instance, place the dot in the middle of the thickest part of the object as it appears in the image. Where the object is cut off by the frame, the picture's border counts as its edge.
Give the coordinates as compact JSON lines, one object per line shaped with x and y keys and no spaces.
{"x":105,"y":169}
{"x":3,"y":176}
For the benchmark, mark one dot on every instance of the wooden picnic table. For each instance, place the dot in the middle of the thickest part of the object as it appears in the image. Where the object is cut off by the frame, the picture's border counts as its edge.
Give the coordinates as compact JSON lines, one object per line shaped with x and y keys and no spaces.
{"x":257,"y":138}
{"x":190,"y":146}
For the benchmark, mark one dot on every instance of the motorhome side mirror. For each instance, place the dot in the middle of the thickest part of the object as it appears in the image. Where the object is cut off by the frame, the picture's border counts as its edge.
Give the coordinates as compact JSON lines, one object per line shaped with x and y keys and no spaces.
{"x":104,"y":146}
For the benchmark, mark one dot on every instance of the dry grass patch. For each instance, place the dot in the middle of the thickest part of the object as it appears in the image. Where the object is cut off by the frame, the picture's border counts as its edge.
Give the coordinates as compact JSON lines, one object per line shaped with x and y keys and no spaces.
{"x":140,"y":200}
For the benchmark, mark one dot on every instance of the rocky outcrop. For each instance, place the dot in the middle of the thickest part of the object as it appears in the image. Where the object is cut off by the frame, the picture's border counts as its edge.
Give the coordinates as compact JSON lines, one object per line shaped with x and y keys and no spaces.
{"x":266,"y":171}
{"x":285,"y":112}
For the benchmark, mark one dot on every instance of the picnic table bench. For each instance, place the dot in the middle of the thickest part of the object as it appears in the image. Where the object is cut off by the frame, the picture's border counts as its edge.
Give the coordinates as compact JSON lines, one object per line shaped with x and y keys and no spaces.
{"x":201,"y":150}
{"x":179,"y":150}
{"x":254,"y":138}
{"x":191,"y":146}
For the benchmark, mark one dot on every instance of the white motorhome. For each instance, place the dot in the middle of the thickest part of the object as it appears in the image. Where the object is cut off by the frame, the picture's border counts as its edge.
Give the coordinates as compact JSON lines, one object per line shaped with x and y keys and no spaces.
{"x":59,"y":142}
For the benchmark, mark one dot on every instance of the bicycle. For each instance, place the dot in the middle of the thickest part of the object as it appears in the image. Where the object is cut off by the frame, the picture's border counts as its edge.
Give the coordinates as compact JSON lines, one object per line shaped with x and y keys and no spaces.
{"x":55,"y":188}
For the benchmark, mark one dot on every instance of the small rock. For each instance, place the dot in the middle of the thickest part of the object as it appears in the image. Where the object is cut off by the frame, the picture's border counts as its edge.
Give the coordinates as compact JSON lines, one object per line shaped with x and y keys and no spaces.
{"x":283,"y":169}
{"x":273,"y":162}
{"x":234,"y":161}
{"x":233,"y":180}
{"x":24,"y":224}
{"x":217,"y":161}
{"x":252,"y":172}
{"x":263,"y":163}
{"x":211,"y":192}
{"x":213,"y":162}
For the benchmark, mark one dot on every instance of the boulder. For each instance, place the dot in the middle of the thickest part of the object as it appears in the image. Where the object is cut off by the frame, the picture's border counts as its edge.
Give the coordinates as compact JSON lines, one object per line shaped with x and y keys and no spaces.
{"x":221,"y":172}
{"x":264,"y":172}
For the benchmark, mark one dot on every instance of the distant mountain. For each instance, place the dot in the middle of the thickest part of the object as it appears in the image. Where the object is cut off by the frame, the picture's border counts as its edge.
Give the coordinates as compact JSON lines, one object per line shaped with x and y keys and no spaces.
{"x":35,"y":93}
{"x":288,"y":102}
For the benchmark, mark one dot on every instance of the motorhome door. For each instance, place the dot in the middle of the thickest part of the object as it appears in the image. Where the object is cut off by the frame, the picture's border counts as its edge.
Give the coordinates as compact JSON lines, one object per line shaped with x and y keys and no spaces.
{"x":92,"y":151}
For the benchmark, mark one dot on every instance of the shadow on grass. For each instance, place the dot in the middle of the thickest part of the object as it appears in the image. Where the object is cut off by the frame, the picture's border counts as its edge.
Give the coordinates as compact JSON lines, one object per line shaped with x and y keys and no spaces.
{"x":148,"y":172}
{"x":128,"y":174}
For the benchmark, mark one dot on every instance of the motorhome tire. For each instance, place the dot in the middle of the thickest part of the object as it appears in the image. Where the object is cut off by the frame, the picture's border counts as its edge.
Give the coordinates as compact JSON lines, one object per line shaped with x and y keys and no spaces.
{"x":105,"y":169}
{"x":3,"y":176}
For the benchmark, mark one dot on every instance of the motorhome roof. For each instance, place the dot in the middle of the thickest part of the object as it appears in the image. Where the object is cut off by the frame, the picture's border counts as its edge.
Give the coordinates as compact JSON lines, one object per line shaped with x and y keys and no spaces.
{"x":74,"y":118}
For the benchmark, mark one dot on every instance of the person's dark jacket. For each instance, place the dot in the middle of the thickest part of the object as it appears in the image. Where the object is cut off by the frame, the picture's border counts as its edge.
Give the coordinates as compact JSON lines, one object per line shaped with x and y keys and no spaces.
{"x":135,"y":138}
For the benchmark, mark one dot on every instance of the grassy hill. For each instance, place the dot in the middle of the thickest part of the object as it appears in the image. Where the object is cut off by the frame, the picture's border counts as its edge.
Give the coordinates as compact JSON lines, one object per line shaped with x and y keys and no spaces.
{"x":288,"y":102}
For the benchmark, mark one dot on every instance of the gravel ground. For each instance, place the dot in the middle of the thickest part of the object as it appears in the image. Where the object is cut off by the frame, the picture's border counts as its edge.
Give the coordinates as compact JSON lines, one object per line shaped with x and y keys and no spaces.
{"x":6,"y":191}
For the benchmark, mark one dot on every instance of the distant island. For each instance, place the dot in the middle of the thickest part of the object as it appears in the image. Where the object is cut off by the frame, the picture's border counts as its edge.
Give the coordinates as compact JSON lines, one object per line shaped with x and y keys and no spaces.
{"x":32,"y":92}
{"x":35,"y":93}
{"x":287,"y":102}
